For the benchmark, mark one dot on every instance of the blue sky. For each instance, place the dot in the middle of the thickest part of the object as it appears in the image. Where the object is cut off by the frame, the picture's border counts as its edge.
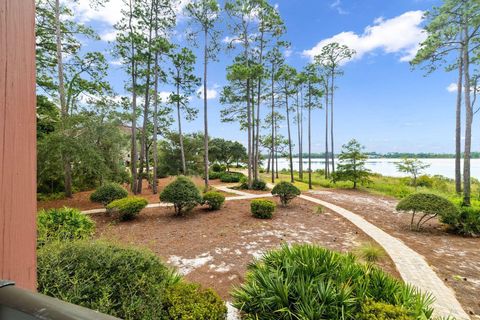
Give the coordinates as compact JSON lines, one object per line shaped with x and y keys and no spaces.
{"x":380,"y":101}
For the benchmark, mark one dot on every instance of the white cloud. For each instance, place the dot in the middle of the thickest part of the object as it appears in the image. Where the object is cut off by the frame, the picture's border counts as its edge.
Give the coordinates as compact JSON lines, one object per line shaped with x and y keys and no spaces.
{"x":110,"y":35}
{"x":337,"y":5}
{"x":211,"y":93}
{"x":452,"y":87}
{"x":165,"y":95}
{"x":401,"y":35}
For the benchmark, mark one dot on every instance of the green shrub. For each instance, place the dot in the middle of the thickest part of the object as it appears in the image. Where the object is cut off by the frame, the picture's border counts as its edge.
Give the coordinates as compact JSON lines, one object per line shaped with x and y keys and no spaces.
{"x":217,"y":167}
{"x":310,"y":282}
{"x":424,"y":181}
{"x":286,"y":192}
{"x":123,"y":282}
{"x":214,"y":200}
{"x":127,"y":208}
{"x":63,"y":224}
{"x":231,"y":177}
{"x":427,"y":205}
{"x":370,"y":252}
{"x":259,"y":185}
{"x":108,"y":192}
{"x":188,"y":301}
{"x":465,"y":221}
{"x":262,"y":209}
{"x":372,"y":310}
{"x":183,"y":193}
{"x":212,"y":175}
{"x":50,"y":196}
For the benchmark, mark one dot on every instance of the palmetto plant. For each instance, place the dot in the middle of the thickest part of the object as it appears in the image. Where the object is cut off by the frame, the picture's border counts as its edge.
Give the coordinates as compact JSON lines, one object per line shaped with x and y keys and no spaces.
{"x":310,"y":282}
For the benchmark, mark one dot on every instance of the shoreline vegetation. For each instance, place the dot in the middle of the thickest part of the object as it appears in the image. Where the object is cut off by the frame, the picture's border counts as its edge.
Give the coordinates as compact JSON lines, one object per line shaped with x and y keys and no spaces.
{"x":396,"y":155}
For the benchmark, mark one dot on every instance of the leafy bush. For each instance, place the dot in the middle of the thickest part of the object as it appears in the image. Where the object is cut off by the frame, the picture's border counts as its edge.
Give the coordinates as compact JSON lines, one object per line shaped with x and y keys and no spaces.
{"x":212,"y":175}
{"x":108,"y":192}
{"x":183,"y":193}
{"x":50,"y":196}
{"x":372,"y":310}
{"x":425,"y":181}
{"x":123,"y":282}
{"x":262,"y":209}
{"x":428,"y":206}
{"x":370,"y":252}
{"x":465,"y":221}
{"x":214,"y":200}
{"x":286,"y":191}
{"x":217,"y":168}
{"x":188,"y":301}
{"x":127,"y":208}
{"x":63,"y":224}
{"x":310,"y":282}
{"x":231,"y":177}
{"x":258,"y":184}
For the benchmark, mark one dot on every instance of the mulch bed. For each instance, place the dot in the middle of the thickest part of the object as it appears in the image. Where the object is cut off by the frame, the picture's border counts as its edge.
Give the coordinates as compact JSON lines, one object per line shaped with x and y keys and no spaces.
{"x":454,"y":258}
{"x":214,"y":248}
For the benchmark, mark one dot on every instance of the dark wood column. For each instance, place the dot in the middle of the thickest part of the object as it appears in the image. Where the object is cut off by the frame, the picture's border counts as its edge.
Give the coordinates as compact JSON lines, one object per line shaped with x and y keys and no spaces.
{"x":17,"y":143}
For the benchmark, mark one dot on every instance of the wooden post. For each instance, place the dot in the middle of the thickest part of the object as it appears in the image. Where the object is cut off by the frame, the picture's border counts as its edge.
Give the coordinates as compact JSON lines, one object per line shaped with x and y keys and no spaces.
{"x":17,"y":143}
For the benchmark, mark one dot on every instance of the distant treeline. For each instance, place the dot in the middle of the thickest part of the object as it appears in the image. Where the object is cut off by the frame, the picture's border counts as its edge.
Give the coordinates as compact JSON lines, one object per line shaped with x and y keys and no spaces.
{"x":397,"y":155}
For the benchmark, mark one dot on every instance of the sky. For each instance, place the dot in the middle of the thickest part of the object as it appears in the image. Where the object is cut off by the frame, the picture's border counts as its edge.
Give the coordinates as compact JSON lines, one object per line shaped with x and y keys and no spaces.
{"x":380,"y":101}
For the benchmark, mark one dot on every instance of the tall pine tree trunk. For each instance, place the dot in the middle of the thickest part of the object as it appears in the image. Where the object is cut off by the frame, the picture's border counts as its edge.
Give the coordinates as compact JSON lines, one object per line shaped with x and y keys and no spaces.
{"x":274,"y":123}
{"x":143,"y":144}
{"x":133,"y":155}
{"x":327,"y":156}
{"x":259,"y":95}
{"x":205,"y":106}
{"x":67,"y":167}
{"x":309,"y":138}
{"x":180,"y":134}
{"x":299,"y":132}
{"x":249,"y":129}
{"x":155,"y":127}
{"x":458,"y":127}
{"x":332,"y":149}
{"x":468,"y":121}
{"x":289,"y":137}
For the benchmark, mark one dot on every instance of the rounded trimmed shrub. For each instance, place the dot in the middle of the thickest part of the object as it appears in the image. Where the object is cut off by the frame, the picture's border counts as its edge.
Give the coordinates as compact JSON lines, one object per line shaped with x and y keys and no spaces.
{"x":372,"y":310}
{"x":63,"y":224}
{"x":231,"y":177}
{"x":262,"y":209}
{"x":127,"y":208}
{"x":311,"y":282}
{"x":107,"y":193}
{"x":286,"y":192}
{"x":214,"y":200}
{"x":189,"y":301}
{"x":428,"y":206}
{"x":212,"y":175}
{"x":183,"y":193}
{"x":121,"y":281}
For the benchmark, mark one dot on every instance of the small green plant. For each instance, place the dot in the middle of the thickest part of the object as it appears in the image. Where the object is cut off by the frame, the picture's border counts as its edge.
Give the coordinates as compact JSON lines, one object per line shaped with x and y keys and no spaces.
{"x":324,"y":284}
{"x":370,"y":252}
{"x":190,"y":301}
{"x":231,"y":177}
{"x":318,"y":210}
{"x":214,"y":200}
{"x":107,"y":193}
{"x":120,"y":281}
{"x":212,"y":175}
{"x":63,"y":224}
{"x":286,"y":192}
{"x":127,"y":208}
{"x":428,"y":206}
{"x":372,"y":310}
{"x":183,"y":193}
{"x":262,"y":209}
{"x":50,"y":196}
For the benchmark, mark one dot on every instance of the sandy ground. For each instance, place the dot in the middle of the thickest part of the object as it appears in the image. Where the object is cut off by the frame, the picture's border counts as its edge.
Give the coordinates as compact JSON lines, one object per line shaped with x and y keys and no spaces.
{"x":456,"y":259}
{"x":214,"y":248}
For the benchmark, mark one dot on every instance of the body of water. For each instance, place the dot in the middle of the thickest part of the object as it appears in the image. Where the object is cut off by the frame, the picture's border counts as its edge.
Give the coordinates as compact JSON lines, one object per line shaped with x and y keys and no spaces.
{"x":387,"y":167}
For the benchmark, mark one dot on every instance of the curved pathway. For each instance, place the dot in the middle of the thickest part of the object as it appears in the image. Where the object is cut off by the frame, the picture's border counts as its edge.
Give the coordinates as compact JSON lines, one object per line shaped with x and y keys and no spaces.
{"x":412,"y":266}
